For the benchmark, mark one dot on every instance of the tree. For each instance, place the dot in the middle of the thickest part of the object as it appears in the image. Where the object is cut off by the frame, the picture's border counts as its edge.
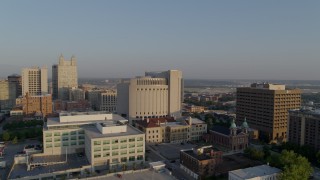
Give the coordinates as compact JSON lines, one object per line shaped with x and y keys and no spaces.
{"x":6,"y":136}
{"x":295,"y":167}
{"x":15,"y":140}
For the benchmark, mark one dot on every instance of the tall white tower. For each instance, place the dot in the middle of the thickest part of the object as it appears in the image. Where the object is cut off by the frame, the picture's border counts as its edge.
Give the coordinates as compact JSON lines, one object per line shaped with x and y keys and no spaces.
{"x":64,"y":78}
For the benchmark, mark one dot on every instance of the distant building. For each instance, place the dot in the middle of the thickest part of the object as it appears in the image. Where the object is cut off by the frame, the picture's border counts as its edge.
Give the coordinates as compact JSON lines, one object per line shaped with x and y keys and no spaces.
{"x":34,"y":81}
{"x":107,"y":101}
{"x":157,"y":94}
{"x":195,"y":109}
{"x":35,"y":104}
{"x":64,"y":77}
{"x":166,"y":129}
{"x":76,"y":94}
{"x":16,"y":80}
{"x":263,"y":172}
{"x":266,"y":108}
{"x":200,"y":162}
{"x":7,"y":94}
{"x":303,"y":128}
{"x":71,"y":106}
{"x":233,"y":138}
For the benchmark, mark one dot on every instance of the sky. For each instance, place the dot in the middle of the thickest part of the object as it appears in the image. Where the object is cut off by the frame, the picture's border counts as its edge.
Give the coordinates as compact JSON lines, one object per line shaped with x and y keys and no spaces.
{"x":205,"y":39}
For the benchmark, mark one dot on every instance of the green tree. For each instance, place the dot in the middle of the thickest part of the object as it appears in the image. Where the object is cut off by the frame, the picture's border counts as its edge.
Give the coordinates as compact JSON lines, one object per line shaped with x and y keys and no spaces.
{"x":295,"y":167}
{"x":6,"y":136}
{"x":15,"y":140}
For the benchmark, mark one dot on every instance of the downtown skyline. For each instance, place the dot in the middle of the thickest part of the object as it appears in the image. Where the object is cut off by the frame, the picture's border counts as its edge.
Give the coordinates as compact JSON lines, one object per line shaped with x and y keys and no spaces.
{"x":205,"y":40}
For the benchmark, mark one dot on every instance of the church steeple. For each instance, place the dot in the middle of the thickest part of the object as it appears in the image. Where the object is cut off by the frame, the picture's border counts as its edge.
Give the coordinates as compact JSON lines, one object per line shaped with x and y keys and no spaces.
{"x":233,"y":128}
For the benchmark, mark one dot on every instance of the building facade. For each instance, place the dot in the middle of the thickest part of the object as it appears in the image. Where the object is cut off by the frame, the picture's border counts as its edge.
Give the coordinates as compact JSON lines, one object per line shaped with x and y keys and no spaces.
{"x":16,"y":80}
{"x":35,"y":104}
{"x":265,"y":106}
{"x":304,"y":128}
{"x":7,"y":94}
{"x":76,"y":94}
{"x":157,"y":94}
{"x":34,"y":81}
{"x":200,"y":162}
{"x":169,"y":130}
{"x":107,"y":101}
{"x":233,"y":138}
{"x":106,"y":139}
{"x":64,"y":77}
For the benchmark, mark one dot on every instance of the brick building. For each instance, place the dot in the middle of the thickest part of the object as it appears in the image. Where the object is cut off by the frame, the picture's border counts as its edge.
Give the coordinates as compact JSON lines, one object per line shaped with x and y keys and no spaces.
{"x":200,"y":162}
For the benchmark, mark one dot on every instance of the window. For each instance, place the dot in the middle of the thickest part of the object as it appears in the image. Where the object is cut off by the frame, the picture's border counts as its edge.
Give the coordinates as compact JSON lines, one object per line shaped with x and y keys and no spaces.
{"x":131,"y":139}
{"x":73,"y":137}
{"x":97,"y":155}
{"x":48,"y":140}
{"x":48,"y":134}
{"x":115,"y":153}
{"x":124,"y":159}
{"x":57,"y":145}
{"x":106,"y":148}
{"x":65,"y":144}
{"x":73,"y":143}
{"x":97,"y":142}
{"x":123,"y":140}
{"x":65,"y":134}
{"x":73,"y":132}
{"x":140,"y":157}
{"x":131,"y":151}
{"x":106,"y":154}
{"x":81,"y":142}
{"x":56,"y":134}
{"x":115,"y":141}
{"x":65,"y":139}
{"x":106,"y":142}
{"x":115,"y":160}
{"x":132,"y":158}
{"x":49,"y":146}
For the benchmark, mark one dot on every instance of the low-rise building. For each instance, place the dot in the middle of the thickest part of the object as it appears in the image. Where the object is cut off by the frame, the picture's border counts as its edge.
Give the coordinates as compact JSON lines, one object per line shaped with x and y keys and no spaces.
{"x":233,"y":138}
{"x":35,"y":104}
{"x":81,"y":142}
{"x":169,"y":130}
{"x":263,"y":172}
{"x":195,"y":109}
{"x":200,"y":162}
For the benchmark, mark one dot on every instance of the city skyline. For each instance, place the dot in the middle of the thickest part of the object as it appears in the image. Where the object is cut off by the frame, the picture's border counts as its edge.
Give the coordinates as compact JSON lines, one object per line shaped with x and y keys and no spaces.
{"x":205,"y":40}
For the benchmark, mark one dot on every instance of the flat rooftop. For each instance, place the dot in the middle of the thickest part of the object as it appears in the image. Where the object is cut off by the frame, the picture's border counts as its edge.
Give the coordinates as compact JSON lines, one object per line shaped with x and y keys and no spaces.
{"x":73,"y":162}
{"x":200,"y":157}
{"x":256,"y":171}
{"x":83,"y":119}
{"x":93,"y":132}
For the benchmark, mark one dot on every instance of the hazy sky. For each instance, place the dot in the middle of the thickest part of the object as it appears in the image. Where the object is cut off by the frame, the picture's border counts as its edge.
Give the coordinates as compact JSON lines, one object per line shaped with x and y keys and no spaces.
{"x":205,"y":39}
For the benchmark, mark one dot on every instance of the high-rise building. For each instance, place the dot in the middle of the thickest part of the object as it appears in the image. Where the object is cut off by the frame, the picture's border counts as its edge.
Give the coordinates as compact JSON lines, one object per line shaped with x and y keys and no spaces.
{"x":76,"y":94}
{"x":157,"y":94}
{"x":304,"y":128}
{"x":265,"y":107}
{"x":16,"y":80}
{"x":108,"y":101}
{"x":64,"y":77}
{"x":7,"y":94}
{"x":34,"y":81}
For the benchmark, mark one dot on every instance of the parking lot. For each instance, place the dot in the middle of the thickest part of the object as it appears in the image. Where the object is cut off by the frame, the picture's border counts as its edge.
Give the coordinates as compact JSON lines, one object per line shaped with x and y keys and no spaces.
{"x":171,"y":151}
{"x":9,"y":152}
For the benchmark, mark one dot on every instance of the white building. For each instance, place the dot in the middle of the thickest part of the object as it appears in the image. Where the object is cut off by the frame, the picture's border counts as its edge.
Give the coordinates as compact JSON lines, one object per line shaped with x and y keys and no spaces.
{"x":108,"y":101}
{"x":157,"y":94}
{"x":263,"y":172}
{"x":34,"y":81}
{"x":64,"y":77}
{"x":106,"y":139}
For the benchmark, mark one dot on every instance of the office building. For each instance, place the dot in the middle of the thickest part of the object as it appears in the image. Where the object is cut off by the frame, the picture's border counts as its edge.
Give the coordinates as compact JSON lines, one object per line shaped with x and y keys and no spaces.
{"x":157,"y":94}
{"x":16,"y":80}
{"x":304,"y":128}
{"x":265,"y":106}
{"x":34,"y":81}
{"x":263,"y":172}
{"x":64,"y":77}
{"x":37,"y":104}
{"x":7,"y":94}
{"x":71,"y":106}
{"x":200,"y":162}
{"x":106,"y":139}
{"x":107,"y":101}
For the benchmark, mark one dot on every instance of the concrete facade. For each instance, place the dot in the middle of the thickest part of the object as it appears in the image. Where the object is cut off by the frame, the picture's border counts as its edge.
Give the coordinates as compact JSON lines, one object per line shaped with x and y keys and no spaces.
{"x":107,"y":101}
{"x":7,"y":94}
{"x":34,"y":81}
{"x":157,"y":94}
{"x":303,"y":128}
{"x":16,"y":80}
{"x":64,"y":77}
{"x":106,"y":139}
{"x":265,"y":106}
